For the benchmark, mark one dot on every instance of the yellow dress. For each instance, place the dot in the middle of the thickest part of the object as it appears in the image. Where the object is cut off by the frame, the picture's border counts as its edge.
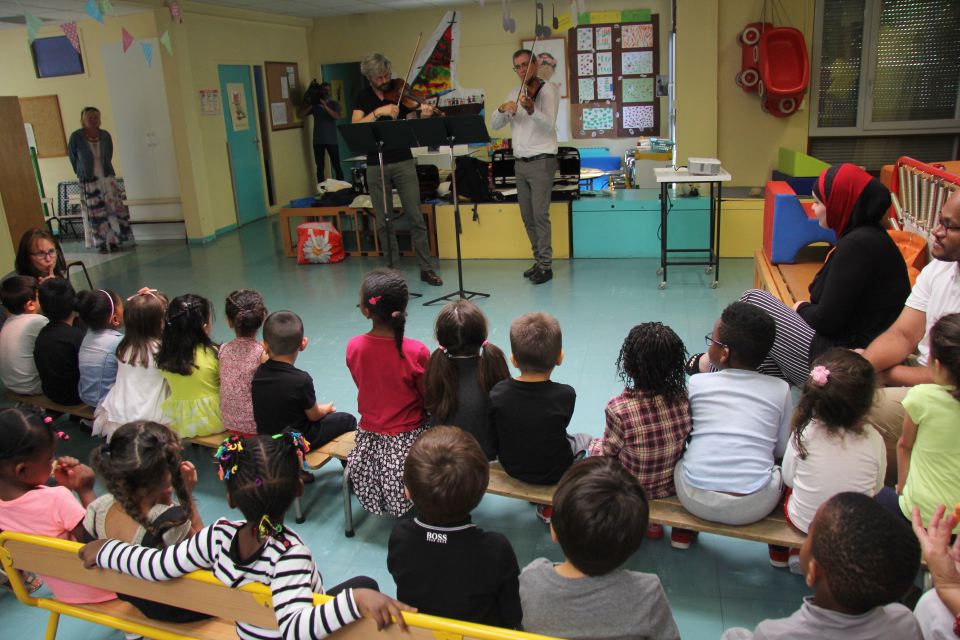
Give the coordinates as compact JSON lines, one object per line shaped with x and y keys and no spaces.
{"x":193,"y":406}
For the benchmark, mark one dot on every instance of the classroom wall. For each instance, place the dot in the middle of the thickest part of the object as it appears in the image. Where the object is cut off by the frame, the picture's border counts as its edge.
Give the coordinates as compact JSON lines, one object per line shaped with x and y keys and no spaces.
{"x":715,"y":117}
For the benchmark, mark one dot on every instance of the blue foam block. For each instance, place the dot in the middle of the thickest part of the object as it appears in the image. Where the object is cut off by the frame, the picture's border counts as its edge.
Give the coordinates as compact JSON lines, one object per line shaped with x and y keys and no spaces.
{"x":793,"y":230}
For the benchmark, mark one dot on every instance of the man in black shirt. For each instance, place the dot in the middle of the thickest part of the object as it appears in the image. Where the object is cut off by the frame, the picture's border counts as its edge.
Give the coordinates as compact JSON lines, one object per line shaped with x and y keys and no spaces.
{"x":56,"y":351}
{"x":399,"y":168}
{"x":326,"y":112}
{"x":444,"y":564}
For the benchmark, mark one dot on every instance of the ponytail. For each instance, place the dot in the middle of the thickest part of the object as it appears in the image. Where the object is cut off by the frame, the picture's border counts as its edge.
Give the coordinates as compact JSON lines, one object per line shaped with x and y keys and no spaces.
{"x":384,"y":295}
{"x":493,"y":366}
{"x":443,"y":386}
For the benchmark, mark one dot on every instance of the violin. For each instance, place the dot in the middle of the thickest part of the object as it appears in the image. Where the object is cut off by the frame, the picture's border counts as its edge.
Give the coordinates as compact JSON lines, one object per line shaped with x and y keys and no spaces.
{"x":398,"y":91}
{"x":531,"y":88}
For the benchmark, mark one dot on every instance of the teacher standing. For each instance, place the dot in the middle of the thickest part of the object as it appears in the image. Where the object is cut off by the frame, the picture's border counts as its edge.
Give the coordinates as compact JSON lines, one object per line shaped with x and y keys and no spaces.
{"x":106,"y":220}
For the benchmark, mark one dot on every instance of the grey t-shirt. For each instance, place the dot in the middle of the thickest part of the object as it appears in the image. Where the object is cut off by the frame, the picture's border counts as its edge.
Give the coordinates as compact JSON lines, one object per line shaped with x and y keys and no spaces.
{"x":810,"y":622}
{"x":621,"y":605}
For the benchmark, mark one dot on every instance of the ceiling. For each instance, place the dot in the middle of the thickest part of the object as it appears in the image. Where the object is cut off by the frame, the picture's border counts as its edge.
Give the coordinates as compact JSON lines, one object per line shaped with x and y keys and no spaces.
{"x":58,"y":11}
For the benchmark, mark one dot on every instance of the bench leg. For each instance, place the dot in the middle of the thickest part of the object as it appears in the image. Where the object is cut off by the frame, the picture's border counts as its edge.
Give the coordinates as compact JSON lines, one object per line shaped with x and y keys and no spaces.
{"x":298,"y":509}
{"x":347,"y":507}
{"x":52,"y":622}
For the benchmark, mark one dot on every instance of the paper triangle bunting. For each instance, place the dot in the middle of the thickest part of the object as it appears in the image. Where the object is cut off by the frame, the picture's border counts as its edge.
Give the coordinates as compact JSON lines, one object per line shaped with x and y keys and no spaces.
{"x":127,"y":38}
{"x":165,"y":41}
{"x":107,"y":8}
{"x":93,"y":10}
{"x":147,"y":52}
{"x":70,"y":30}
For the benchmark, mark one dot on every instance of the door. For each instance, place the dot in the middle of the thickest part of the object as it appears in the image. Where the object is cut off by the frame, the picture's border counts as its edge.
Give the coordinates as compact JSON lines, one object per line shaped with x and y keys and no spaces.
{"x":345,"y":83}
{"x":243,"y":142}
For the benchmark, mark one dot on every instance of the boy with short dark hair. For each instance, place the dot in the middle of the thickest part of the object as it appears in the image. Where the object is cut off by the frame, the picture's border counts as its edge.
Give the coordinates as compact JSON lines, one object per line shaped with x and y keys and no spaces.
{"x":859,"y":559}
{"x":283,"y":396}
{"x":741,"y":424}
{"x":600,"y":514}
{"x":56,"y":352}
{"x":529,"y":414}
{"x":444,"y":564}
{"x":18,"y":370}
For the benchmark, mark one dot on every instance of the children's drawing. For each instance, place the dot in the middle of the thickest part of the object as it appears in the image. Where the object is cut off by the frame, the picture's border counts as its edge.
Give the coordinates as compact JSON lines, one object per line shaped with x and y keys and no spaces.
{"x":636,"y":36}
{"x":637,"y":117}
{"x":585,"y":89}
{"x":584,"y":64}
{"x":598,"y":119}
{"x":605,"y":88}
{"x":636,"y":62}
{"x":604,"y":38}
{"x":604,"y":63}
{"x":584,"y":39}
{"x":637,"y":89}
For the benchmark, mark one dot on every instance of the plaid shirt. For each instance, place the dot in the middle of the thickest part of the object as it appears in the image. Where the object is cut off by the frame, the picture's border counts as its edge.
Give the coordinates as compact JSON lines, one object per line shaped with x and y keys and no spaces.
{"x":647,"y":435}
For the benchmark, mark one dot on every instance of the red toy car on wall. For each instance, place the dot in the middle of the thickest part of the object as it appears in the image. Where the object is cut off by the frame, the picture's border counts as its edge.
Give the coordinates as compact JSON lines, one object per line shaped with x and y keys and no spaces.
{"x":774,"y":63}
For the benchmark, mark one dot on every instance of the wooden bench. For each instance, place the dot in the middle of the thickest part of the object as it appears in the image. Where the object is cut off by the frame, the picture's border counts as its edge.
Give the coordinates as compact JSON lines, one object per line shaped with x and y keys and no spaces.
{"x":43,"y":402}
{"x":788,"y":283}
{"x":198,"y":591}
{"x":339,"y":448}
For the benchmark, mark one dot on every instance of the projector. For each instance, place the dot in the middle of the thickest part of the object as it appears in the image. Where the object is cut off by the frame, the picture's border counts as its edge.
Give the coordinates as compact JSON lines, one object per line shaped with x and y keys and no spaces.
{"x":703,"y":166}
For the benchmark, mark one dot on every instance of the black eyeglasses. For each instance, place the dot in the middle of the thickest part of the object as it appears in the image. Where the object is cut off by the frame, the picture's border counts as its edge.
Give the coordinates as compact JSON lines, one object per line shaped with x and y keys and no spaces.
{"x":708,"y":339}
{"x":522,"y":65}
{"x":50,"y":253}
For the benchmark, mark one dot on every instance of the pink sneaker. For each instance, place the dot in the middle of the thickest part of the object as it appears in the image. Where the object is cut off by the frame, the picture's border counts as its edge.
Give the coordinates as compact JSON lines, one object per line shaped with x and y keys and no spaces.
{"x":655,"y":531}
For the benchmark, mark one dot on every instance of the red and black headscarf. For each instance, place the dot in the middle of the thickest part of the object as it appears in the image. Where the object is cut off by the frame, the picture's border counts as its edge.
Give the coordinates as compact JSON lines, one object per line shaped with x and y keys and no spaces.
{"x":852,"y":197}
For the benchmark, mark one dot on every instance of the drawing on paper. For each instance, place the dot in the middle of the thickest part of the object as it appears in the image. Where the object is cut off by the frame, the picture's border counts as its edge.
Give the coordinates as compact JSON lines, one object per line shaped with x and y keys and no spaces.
{"x":604,"y":38}
{"x":584,"y":64}
{"x":598,"y":119}
{"x":636,"y":36}
{"x":584,"y":39}
{"x":585,"y":89}
{"x":636,"y":62}
{"x":605,"y":88}
{"x":605,"y":63}
{"x":638,"y":117}
{"x":637,"y":89}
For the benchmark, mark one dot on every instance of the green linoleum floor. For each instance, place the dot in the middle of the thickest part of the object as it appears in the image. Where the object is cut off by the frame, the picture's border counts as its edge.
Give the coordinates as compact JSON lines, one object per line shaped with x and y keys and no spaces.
{"x":716,"y":584}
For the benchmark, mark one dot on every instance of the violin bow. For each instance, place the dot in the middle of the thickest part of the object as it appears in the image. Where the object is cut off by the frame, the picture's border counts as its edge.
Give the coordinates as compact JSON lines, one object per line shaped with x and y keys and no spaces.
{"x":523,"y":81}
{"x":410,"y":68}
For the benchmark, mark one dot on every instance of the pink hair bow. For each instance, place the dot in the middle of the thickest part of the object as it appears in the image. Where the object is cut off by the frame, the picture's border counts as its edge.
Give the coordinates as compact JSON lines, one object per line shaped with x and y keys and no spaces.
{"x":373,"y":301}
{"x":820,"y":375}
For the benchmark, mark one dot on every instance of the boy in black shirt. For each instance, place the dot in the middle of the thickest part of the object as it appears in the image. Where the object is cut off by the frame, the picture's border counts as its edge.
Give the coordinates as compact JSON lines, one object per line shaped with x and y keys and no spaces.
{"x":56,"y":351}
{"x":283,"y":396}
{"x":529,"y":414}
{"x":444,"y":564}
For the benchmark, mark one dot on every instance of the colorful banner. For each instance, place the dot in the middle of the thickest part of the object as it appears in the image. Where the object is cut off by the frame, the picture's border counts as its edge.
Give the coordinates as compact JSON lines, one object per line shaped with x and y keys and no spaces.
{"x":70,"y":30}
{"x":127,"y":38}
{"x":93,"y":10}
{"x":106,"y":8}
{"x":165,"y":41}
{"x":33,"y":25}
{"x":147,"y":52}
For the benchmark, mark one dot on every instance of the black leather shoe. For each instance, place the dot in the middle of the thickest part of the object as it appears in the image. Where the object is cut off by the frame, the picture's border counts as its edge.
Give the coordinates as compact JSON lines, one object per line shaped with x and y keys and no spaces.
{"x":529,"y":272}
{"x":431,"y":278}
{"x":541,"y":275}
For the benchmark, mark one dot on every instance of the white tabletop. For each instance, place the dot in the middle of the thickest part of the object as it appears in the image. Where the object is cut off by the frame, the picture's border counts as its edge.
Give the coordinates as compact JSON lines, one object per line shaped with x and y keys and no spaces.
{"x":668,"y":174}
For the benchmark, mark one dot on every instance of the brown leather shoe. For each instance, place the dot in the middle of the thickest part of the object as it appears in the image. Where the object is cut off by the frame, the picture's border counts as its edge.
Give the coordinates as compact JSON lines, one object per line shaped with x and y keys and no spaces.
{"x":431,"y":278}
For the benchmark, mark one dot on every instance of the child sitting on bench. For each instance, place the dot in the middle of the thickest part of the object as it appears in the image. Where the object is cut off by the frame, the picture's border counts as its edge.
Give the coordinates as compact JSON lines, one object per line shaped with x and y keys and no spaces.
{"x":18,"y":336}
{"x":599,"y":518}
{"x":859,"y":560}
{"x":262,"y":474}
{"x":444,"y":564}
{"x":741,"y":423}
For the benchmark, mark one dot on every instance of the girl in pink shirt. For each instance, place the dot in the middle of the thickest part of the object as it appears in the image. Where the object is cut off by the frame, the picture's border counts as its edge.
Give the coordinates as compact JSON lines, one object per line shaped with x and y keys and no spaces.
{"x":389,"y":371}
{"x":239,"y":360}
{"x":27,"y":505}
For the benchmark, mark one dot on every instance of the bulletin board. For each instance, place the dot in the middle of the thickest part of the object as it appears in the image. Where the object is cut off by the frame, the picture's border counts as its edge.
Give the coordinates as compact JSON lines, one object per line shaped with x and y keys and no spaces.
{"x":283,"y":95}
{"x":613,"y":71}
{"x":43,"y":112}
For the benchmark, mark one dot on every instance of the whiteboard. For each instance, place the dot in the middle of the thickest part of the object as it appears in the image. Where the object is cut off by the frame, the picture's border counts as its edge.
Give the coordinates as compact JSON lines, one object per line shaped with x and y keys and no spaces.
{"x":143,"y":136}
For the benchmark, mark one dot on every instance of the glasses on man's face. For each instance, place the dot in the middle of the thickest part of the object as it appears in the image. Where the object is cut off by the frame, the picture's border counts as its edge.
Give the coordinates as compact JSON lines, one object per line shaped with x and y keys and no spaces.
{"x":708,"y":340}
{"x":946,"y":226}
{"x":521,"y":66}
{"x":50,"y":253}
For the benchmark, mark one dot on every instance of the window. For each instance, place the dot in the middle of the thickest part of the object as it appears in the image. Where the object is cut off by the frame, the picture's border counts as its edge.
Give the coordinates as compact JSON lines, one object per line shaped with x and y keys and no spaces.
{"x":886,"y":67}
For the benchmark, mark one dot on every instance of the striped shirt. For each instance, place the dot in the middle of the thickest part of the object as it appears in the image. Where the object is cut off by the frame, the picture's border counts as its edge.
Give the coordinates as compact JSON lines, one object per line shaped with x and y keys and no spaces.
{"x":647,"y":435}
{"x":289,"y":572}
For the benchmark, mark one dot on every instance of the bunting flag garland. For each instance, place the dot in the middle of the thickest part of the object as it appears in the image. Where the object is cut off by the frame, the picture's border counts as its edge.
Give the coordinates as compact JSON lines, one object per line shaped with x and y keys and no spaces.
{"x":127,"y":38}
{"x":147,"y":52}
{"x":93,"y":10}
{"x":107,"y":8}
{"x":165,"y":41}
{"x":33,"y":25}
{"x":176,"y":13}
{"x":70,"y":30}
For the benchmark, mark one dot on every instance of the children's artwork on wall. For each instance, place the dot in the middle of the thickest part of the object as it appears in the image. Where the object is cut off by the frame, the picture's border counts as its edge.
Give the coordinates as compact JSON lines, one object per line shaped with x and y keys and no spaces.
{"x":604,"y":38}
{"x":434,"y":72}
{"x":584,"y":64}
{"x":616,"y":68}
{"x":638,"y":117}
{"x":551,"y":53}
{"x":605,"y":88}
{"x":636,"y":36}
{"x":584,"y":39}
{"x":585,"y":89}
{"x":637,"y":90}
{"x":636,"y":62}
{"x":604,"y":63}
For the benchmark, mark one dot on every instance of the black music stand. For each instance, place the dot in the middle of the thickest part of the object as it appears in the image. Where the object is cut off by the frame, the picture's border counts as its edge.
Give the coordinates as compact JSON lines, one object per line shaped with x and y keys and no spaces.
{"x":380,"y":135}
{"x":451,"y":131}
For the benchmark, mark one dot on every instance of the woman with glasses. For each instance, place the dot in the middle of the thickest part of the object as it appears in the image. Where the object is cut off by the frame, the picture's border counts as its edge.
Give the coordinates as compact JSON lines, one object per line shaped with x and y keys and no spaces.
{"x":106,"y":223}
{"x":858,"y":292}
{"x":40,"y":256}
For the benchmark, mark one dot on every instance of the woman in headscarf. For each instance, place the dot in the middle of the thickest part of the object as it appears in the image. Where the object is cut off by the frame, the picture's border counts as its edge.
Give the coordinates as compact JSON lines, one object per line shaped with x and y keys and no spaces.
{"x":858,"y":292}
{"x":106,"y":218}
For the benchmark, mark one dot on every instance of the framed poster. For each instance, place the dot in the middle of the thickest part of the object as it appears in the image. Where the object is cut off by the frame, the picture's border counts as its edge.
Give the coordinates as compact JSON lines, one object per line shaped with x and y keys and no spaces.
{"x":615,"y":63}
{"x":552,"y":55}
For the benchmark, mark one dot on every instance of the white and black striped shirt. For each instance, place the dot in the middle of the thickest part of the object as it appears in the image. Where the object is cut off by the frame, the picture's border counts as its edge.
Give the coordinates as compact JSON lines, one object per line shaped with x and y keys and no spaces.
{"x":290,"y":572}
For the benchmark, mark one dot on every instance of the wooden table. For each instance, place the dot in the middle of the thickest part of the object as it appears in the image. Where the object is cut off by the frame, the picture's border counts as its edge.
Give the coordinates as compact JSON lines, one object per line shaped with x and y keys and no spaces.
{"x":362,"y":224}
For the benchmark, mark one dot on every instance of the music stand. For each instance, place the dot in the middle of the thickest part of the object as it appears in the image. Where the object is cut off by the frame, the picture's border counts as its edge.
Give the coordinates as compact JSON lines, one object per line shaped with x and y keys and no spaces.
{"x":450,"y":131}
{"x":366,"y":137}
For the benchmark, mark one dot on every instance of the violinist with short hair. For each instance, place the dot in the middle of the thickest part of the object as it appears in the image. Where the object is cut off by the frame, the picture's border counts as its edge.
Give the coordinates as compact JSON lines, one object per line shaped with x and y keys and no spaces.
{"x":531,"y":111}
{"x":399,"y":167}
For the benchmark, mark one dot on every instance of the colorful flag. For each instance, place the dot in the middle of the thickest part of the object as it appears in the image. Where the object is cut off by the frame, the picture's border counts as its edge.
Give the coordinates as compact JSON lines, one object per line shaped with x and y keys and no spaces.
{"x":107,"y":8}
{"x":33,"y":25}
{"x":175,"y":11}
{"x":93,"y":10}
{"x":127,"y":38}
{"x":165,"y":41}
{"x":70,"y":30}
{"x":147,"y":52}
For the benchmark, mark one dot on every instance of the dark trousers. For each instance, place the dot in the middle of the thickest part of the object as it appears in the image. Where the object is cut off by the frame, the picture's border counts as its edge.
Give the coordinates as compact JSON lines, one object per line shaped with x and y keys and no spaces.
{"x":890,"y":501}
{"x":334,"y":152}
{"x":329,"y":427}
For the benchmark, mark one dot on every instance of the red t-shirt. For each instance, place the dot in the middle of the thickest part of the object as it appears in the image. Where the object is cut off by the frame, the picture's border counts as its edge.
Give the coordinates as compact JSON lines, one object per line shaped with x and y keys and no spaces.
{"x":390,"y":389}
